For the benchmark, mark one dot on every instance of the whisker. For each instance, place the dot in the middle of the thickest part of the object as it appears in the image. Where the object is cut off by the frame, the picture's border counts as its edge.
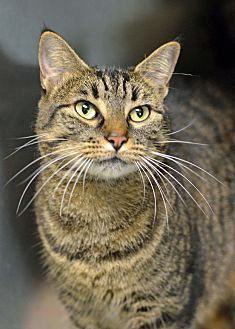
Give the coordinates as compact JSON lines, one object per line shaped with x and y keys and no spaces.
{"x":143,"y":182}
{"x":50,"y":177}
{"x":24,"y":137}
{"x":181,"y":142}
{"x":159,"y":175}
{"x":160,"y":164}
{"x":186,"y":74}
{"x":186,"y":168}
{"x":85,"y":173}
{"x":159,"y":172}
{"x":76,"y":181}
{"x":66,"y":174}
{"x":20,"y":147}
{"x":70,"y":179}
{"x":48,"y":140}
{"x":33,"y":142}
{"x":172,"y":158}
{"x":164,"y":198}
{"x":181,"y":129}
{"x":154,"y":195}
{"x":34,"y":172}
{"x":34,"y":161}
{"x":29,"y":136}
{"x":30,"y":182}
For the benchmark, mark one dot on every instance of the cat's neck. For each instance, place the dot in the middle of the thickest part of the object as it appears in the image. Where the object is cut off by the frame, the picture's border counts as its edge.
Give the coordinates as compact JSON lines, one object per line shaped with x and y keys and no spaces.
{"x":111,"y":201}
{"x":101,"y":215}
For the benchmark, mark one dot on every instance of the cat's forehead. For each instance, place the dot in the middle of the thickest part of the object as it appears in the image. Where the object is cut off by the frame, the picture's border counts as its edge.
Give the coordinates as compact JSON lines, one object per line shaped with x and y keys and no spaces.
{"x":113,"y":87}
{"x":115,"y":80}
{"x":117,"y":87}
{"x":122,"y":85}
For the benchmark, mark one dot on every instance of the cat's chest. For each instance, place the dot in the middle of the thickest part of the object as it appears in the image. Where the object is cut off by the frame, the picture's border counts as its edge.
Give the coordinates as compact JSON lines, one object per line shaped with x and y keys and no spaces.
{"x":116,"y":299}
{"x":103,"y":291}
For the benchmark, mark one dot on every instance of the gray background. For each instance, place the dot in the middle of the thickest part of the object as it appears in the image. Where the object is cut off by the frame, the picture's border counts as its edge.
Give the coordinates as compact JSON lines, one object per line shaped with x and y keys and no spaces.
{"x":103,"y":32}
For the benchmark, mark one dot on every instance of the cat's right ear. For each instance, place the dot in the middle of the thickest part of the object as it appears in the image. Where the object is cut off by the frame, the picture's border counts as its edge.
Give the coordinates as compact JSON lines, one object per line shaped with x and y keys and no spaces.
{"x":159,"y":66}
{"x":56,"y":57}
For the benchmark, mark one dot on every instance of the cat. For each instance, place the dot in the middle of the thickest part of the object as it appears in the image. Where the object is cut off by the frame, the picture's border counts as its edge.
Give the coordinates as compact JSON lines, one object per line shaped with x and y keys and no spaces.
{"x":136,"y":226}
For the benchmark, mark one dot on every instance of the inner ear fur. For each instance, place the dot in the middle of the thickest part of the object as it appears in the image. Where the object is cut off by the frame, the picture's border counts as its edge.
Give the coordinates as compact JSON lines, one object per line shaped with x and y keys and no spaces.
{"x":56,"y":57}
{"x":159,"y":66}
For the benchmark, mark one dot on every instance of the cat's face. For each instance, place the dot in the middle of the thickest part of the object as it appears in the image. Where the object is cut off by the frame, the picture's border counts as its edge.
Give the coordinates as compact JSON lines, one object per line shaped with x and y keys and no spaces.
{"x":104,"y":119}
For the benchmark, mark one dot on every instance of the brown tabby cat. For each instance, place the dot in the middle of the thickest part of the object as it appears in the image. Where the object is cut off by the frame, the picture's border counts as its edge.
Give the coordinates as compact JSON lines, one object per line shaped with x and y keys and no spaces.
{"x":135,"y":234}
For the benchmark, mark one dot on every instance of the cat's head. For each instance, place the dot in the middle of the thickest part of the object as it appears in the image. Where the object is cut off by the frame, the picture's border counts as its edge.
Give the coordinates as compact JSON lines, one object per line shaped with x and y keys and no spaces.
{"x":104,"y":119}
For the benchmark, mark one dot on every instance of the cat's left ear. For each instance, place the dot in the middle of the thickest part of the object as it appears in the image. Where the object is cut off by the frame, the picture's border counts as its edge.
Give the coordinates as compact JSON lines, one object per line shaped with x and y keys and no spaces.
{"x":56,"y":58}
{"x":159,"y":66}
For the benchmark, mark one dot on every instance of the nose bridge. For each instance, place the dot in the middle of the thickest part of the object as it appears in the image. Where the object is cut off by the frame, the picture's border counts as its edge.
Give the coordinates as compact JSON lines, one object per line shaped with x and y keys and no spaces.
{"x":116,"y":131}
{"x":116,"y":127}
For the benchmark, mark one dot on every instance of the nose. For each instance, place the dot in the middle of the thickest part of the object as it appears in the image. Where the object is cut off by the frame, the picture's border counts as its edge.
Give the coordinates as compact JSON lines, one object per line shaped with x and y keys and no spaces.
{"x":117,"y":140}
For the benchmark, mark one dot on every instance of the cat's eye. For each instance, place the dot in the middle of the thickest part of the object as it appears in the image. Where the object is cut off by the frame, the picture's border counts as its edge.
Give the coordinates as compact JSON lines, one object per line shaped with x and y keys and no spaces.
{"x":139,"y":113}
{"x":86,"y":110}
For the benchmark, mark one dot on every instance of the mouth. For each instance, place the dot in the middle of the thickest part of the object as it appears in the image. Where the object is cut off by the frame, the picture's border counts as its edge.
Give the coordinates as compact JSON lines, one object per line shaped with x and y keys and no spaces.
{"x":112,"y":161}
{"x":111,"y":168}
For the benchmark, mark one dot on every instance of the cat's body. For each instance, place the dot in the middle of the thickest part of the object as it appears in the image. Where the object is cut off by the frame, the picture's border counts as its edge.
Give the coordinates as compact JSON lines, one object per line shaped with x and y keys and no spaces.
{"x":120,"y":255}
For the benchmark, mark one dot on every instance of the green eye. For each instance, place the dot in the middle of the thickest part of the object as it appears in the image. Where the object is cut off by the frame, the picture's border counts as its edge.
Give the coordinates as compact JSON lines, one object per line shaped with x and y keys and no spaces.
{"x":86,"y":110}
{"x":139,"y":113}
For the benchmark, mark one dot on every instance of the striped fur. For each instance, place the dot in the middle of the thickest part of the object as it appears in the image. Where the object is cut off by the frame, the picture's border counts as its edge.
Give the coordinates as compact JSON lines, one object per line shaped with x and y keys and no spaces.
{"x":114,"y":264}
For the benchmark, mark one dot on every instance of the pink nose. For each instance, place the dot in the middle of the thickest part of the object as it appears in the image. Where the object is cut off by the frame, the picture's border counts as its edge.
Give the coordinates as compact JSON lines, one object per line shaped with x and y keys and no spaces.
{"x":117,"y":141}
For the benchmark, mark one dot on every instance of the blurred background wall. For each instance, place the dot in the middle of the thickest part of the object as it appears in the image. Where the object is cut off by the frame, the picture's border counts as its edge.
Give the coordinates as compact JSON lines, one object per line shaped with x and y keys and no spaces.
{"x":105,"y":32}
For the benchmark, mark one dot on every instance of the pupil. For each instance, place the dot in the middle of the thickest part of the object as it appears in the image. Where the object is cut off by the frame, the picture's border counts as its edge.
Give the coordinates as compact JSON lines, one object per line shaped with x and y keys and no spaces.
{"x":85,"y":108}
{"x":139,"y":112}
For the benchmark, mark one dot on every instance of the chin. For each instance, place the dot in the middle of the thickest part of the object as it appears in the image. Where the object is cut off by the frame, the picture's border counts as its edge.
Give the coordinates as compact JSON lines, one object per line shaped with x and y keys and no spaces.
{"x":111,"y":169}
